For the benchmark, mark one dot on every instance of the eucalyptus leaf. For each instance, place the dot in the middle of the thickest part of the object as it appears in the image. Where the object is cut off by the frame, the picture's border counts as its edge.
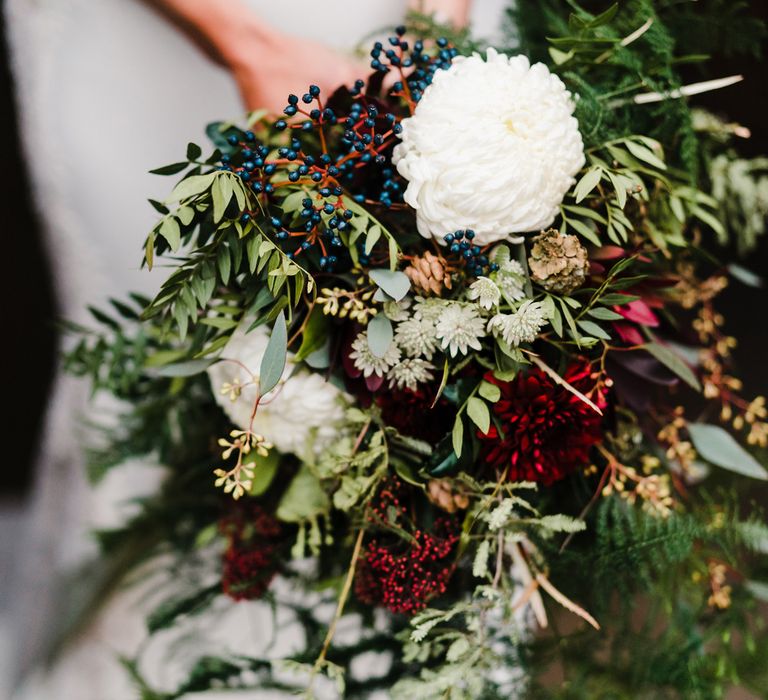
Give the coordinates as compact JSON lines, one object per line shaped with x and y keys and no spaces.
{"x":381,"y":295}
{"x":273,"y":362}
{"x":159,"y":206}
{"x":225,"y":264}
{"x":380,"y":335}
{"x":394,"y":283}
{"x":185,"y":215}
{"x":184,"y":369}
{"x":320,"y":358}
{"x":719,"y":447}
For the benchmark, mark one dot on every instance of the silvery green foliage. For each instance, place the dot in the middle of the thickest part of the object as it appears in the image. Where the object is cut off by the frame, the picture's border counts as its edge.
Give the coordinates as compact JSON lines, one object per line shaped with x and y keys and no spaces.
{"x":740,"y":186}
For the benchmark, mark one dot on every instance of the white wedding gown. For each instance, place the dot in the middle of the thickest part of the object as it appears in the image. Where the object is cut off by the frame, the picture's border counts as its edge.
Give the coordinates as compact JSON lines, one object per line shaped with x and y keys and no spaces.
{"x":107,"y":90}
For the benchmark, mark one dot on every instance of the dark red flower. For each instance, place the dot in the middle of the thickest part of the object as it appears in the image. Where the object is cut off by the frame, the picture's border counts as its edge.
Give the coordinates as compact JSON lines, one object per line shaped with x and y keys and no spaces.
{"x":411,"y":413}
{"x":404,"y":574}
{"x":250,"y":560}
{"x":546,"y":430}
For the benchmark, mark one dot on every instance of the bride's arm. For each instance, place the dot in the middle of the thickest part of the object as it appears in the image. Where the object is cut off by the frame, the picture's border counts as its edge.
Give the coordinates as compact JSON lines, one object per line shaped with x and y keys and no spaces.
{"x":266,"y":63}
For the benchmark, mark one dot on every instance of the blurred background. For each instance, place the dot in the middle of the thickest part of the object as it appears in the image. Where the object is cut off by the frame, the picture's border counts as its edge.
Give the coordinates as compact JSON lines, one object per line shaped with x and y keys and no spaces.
{"x":31,"y":310}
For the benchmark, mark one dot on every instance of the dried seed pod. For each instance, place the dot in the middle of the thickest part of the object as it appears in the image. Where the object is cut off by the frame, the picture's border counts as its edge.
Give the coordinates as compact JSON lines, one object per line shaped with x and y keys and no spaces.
{"x":445,"y":494}
{"x":558,"y":262}
{"x":429,"y":273}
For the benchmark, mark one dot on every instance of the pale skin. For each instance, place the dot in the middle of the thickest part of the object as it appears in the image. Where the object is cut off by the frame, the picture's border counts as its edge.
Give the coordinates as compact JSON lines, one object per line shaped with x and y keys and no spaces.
{"x":268,"y":64}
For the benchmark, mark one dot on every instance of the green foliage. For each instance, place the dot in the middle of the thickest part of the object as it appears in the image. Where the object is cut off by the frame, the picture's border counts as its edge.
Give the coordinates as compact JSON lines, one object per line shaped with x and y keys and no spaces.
{"x":649,"y":576}
{"x":634,"y":548}
{"x":740,"y":187}
{"x":605,"y":73}
{"x":231,"y":267}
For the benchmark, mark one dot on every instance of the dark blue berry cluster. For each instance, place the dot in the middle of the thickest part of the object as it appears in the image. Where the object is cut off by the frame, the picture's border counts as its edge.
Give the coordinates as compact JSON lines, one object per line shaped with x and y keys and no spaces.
{"x":321,"y":222}
{"x":477,"y":263}
{"x":399,"y":56}
{"x":350,"y":149}
{"x":368,"y":133}
{"x":248,"y":160}
{"x":315,"y":115}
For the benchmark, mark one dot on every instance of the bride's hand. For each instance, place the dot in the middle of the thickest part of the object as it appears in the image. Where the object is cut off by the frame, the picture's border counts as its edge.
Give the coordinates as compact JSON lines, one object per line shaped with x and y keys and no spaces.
{"x":269,"y":66}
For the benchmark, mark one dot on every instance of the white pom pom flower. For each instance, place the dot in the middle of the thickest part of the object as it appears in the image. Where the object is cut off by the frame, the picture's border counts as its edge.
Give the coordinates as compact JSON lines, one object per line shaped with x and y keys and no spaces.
{"x":493,"y":146}
{"x":301,"y":415}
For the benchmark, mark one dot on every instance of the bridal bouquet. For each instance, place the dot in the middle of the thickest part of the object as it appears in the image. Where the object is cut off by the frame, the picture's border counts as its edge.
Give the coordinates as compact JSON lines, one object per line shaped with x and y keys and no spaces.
{"x":444,"y":348}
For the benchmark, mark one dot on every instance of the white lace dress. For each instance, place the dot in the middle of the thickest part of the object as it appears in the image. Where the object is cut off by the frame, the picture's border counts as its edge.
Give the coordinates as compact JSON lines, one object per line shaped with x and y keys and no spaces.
{"x":106,"y":91}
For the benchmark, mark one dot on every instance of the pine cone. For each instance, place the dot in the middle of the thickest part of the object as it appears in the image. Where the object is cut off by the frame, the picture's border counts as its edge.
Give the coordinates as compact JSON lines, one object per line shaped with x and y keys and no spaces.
{"x":429,"y":273}
{"x":558,"y":262}
{"x":444,"y":494}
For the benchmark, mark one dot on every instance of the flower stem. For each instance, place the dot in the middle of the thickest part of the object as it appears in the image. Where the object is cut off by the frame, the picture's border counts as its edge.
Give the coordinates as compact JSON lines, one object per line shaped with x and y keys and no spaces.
{"x":339,"y":607}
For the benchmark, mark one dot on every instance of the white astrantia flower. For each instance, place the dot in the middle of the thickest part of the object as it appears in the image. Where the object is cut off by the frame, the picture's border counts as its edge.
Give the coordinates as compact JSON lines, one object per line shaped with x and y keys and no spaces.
{"x":493,"y":146}
{"x":429,"y":308}
{"x":485,"y":292}
{"x":459,"y":328}
{"x":410,"y":373}
{"x":397,"y":310}
{"x":367,"y":362}
{"x":522,"y":326}
{"x":302,"y":415}
{"x":510,"y":278}
{"x":417,"y":337}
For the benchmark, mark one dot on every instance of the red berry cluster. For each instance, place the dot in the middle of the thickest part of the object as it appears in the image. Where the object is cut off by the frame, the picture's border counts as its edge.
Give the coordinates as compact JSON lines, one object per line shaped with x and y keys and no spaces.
{"x":404,"y":574}
{"x":250,"y":560}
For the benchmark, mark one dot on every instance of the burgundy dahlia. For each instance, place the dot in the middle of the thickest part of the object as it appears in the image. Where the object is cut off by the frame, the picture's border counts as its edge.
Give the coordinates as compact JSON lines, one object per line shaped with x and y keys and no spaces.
{"x":546,"y":430}
{"x":411,"y":412}
{"x":250,"y":560}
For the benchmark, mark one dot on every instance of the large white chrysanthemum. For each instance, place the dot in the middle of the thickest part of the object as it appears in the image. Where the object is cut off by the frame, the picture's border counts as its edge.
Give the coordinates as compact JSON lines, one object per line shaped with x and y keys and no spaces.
{"x":493,"y":146}
{"x":301,"y":415}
